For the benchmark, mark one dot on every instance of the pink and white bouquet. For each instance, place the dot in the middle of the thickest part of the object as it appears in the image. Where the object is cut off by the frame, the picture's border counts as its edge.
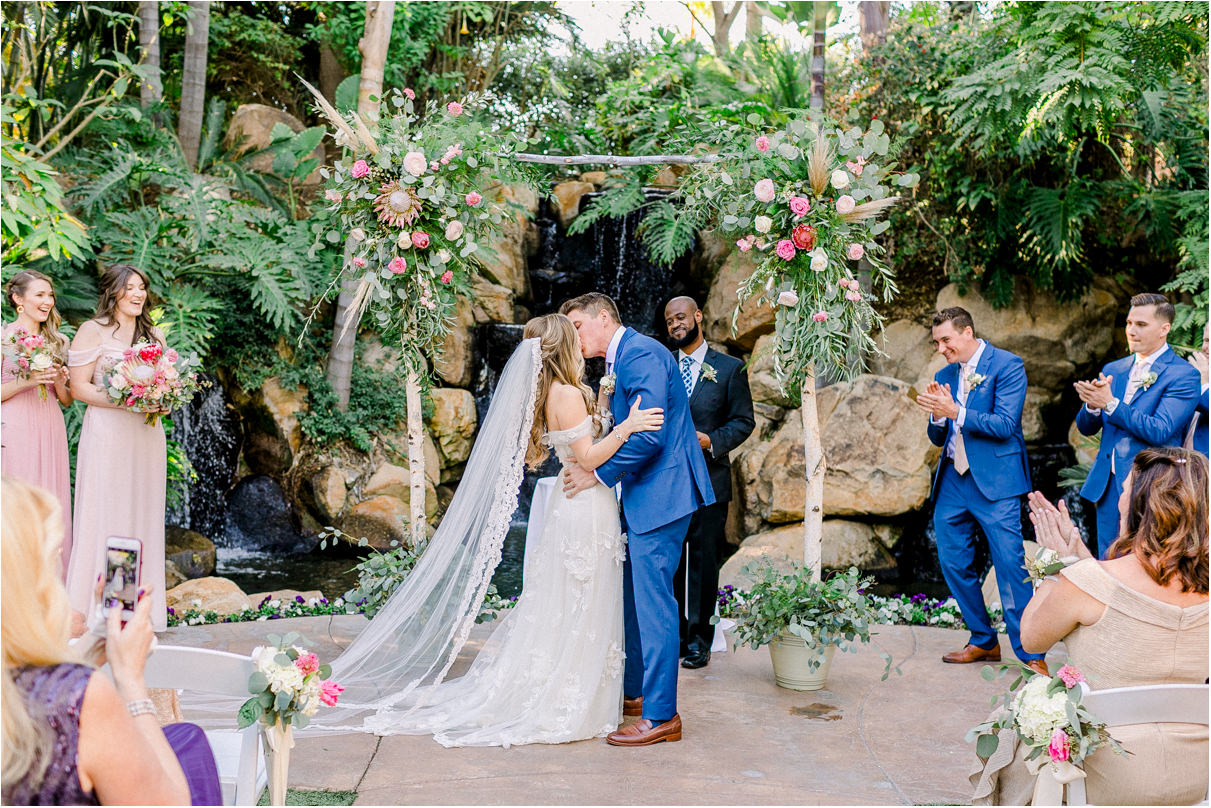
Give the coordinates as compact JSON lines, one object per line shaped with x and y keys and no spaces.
{"x":30,"y":353}
{"x":151,"y":379}
{"x":288,"y":684}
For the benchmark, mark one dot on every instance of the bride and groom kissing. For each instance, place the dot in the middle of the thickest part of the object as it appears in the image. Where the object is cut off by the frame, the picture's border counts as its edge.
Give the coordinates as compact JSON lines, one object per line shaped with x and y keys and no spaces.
{"x":594,"y":635}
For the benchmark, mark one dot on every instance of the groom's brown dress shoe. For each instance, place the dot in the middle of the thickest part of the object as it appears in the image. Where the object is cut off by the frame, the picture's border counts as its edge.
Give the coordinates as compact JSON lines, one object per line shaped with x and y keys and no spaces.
{"x":644,"y":733}
{"x":974,"y":653}
{"x":632,"y":706}
{"x":1038,"y":666}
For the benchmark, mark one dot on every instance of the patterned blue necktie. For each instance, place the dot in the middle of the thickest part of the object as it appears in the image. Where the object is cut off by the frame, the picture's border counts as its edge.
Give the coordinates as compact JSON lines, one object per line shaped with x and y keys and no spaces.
{"x":687,"y":363}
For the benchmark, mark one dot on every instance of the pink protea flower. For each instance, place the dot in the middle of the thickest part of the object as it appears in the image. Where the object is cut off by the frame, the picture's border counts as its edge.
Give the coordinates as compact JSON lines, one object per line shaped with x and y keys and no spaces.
{"x":447,"y":276}
{"x":307,"y":663}
{"x":800,"y":206}
{"x":360,"y":169}
{"x":762,"y":144}
{"x":409,"y":94}
{"x":845,"y":204}
{"x":785,"y":249}
{"x":764,"y":190}
{"x":1058,"y":750}
{"x":359,"y":262}
{"x":420,"y":239}
{"x":855,"y":251}
{"x":397,"y":206}
{"x":397,"y":266}
{"x":820,"y":316}
{"x":473,"y":199}
{"x":1070,"y":676}
{"x":454,"y":108}
{"x":333,"y":195}
{"x":330,"y":692}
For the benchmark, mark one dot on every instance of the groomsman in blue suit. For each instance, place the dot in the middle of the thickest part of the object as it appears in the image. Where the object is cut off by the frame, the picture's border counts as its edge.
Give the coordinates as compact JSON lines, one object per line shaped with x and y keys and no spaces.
{"x":975,"y":415}
{"x":664,"y":480}
{"x":1196,"y":436}
{"x":1143,"y":400}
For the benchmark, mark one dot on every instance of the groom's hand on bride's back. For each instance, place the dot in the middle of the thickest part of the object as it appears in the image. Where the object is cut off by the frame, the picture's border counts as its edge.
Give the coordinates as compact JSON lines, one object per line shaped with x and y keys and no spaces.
{"x":577,"y":478}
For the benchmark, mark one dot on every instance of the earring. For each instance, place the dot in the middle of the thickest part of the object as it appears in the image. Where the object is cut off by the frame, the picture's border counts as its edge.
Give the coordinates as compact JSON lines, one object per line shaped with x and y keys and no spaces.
{"x":20,"y":309}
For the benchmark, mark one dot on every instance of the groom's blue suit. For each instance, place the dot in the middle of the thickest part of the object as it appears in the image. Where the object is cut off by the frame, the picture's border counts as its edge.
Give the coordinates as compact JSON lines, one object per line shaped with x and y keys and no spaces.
{"x":664,"y":479}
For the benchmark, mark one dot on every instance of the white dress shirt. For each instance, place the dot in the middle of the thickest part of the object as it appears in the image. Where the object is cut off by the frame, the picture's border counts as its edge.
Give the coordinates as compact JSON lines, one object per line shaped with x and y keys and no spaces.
{"x":965,"y":369}
{"x":696,"y":360}
{"x":612,"y":348}
{"x":1142,"y":366}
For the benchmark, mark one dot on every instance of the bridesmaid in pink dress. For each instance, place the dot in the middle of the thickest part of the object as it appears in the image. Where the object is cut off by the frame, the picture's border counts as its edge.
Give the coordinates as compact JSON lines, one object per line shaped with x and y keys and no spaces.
{"x":121,"y":463}
{"x":33,"y":442}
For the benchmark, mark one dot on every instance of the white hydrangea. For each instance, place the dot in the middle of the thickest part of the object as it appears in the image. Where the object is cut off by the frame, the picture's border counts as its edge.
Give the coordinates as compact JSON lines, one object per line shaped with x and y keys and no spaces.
{"x":1040,"y":715}
{"x":311,"y":697}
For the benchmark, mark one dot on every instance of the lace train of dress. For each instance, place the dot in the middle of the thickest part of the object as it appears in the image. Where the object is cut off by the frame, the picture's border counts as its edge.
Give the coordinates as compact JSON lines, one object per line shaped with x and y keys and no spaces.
{"x":551,"y":672}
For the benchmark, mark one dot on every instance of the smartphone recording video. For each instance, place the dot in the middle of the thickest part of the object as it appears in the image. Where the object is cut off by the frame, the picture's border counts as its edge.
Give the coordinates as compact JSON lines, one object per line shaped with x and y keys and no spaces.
{"x":122,"y":557}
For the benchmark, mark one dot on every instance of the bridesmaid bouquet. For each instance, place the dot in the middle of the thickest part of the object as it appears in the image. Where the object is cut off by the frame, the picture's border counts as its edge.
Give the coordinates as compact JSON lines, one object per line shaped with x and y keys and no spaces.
{"x":31,"y":355}
{"x":150,"y":379}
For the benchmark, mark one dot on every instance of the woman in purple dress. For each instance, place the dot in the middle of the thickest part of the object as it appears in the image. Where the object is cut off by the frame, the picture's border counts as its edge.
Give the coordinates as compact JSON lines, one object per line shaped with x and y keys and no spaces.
{"x":72,"y":737}
{"x":34,"y":441}
{"x":122,"y":461}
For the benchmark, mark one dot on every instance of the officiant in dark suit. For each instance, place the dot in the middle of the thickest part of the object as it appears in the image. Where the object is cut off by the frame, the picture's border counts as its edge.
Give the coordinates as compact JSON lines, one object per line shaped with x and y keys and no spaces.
{"x":722,"y":409}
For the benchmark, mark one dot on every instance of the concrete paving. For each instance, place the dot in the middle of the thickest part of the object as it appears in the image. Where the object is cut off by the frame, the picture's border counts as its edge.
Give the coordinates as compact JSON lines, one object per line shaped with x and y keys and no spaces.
{"x":746,"y":741}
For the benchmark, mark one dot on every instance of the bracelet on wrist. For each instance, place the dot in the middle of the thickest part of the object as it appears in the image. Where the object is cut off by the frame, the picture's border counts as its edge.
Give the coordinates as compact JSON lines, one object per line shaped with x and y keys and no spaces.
{"x":620,"y":435}
{"x":138,"y":707}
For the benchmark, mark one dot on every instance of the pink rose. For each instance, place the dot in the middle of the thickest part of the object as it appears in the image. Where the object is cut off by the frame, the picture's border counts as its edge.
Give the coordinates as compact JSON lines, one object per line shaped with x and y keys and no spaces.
{"x":473,"y":199}
{"x":415,"y":163}
{"x":330,"y":692}
{"x":855,"y":252}
{"x":454,"y":230}
{"x":785,"y":249}
{"x":853,"y":295}
{"x":172,"y":356}
{"x":845,"y":204}
{"x":333,"y":195}
{"x":745,"y":244}
{"x":447,"y":276}
{"x":763,"y":144}
{"x":788,"y":298}
{"x":307,"y":663}
{"x":1057,"y":750}
{"x":764,"y":190}
{"x":409,"y":94}
{"x":1070,"y":676}
{"x":397,"y":265}
{"x":820,"y":316}
{"x":420,"y":239}
{"x":800,"y":206}
{"x":454,"y":108}
{"x":359,"y":262}
{"x":360,"y":169}
{"x":434,"y":166}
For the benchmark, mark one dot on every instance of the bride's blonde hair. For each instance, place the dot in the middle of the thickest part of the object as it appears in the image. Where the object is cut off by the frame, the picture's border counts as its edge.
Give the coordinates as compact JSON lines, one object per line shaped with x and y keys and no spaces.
{"x":561,"y":362}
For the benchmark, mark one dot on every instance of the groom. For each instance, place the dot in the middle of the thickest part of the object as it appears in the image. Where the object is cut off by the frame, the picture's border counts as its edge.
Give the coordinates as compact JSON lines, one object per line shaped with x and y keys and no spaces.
{"x":658,"y":499}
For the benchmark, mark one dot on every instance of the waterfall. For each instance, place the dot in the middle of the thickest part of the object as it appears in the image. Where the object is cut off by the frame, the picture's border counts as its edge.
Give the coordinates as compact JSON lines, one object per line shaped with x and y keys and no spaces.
{"x":208,"y":429}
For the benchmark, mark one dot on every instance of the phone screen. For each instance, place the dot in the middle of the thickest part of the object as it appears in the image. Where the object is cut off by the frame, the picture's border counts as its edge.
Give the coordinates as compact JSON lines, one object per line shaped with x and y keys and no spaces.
{"x":121,"y":578}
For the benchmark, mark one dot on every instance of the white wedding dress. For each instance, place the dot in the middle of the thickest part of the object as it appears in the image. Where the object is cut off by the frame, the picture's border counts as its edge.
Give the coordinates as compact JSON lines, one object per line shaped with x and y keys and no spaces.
{"x":551,"y":672}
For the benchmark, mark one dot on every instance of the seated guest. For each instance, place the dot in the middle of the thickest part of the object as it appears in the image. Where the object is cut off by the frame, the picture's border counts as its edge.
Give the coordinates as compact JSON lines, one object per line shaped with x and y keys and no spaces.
{"x":1137,"y":618}
{"x":71,"y":736}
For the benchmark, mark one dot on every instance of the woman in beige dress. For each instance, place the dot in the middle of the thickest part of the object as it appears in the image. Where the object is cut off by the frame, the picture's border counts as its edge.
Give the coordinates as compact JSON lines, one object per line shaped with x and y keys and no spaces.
{"x":1138,"y":618}
{"x":121,"y":462}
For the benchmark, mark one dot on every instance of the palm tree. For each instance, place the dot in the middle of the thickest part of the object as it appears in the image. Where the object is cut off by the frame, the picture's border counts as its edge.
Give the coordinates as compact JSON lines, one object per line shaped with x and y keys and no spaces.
{"x":151,"y":90}
{"x":193,"y":80}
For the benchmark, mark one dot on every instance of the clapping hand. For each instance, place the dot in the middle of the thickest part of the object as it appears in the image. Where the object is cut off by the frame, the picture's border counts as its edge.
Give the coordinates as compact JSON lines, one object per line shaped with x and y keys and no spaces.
{"x":938,"y":402}
{"x":1054,"y":529}
{"x":1199,"y":360}
{"x":1095,"y":394}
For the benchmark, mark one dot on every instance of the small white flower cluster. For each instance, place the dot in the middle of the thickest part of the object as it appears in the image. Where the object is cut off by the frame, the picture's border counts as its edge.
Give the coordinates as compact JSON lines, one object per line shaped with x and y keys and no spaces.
{"x":1039,"y":715}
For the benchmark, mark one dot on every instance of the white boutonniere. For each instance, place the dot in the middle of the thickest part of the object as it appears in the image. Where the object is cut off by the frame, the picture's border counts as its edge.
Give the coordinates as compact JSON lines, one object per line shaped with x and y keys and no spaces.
{"x":707,"y":372}
{"x":974,"y":380}
{"x":1147,"y":380}
{"x":607,"y":383}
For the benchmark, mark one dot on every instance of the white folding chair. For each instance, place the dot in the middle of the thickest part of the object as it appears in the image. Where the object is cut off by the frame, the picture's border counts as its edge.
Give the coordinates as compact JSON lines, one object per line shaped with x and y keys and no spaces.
{"x":237,"y":752}
{"x":1143,"y":704}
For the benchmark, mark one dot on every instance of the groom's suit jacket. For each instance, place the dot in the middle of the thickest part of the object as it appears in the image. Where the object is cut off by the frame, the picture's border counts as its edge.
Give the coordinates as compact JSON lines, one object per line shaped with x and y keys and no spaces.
{"x":663,"y":474}
{"x":992,"y":428}
{"x":1158,"y":416}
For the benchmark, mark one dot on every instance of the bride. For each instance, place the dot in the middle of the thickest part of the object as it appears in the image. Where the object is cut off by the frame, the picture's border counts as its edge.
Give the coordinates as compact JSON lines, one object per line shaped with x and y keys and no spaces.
{"x":551,"y":672}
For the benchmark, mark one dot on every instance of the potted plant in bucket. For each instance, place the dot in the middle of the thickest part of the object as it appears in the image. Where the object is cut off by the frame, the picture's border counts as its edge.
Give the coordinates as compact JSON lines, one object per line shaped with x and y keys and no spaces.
{"x":803,"y":620}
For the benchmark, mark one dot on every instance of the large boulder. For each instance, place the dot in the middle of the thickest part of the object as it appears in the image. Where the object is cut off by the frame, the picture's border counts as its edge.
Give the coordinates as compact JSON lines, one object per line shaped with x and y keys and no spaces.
{"x":453,"y":423}
{"x":567,"y":200}
{"x":396,"y":481}
{"x":755,"y":318}
{"x":764,"y":388}
{"x":395,"y":448}
{"x":491,"y":302}
{"x":380,"y":520}
{"x":504,"y":258}
{"x":454,"y":364}
{"x":191,"y":552}
{"x":907,"y":349}
{"x":251,"y":129}
{"x":328,"y":492}
{"x":272,"y":434}
{"x":207,"y":595}
{"x":843,"y":544}
{"x":1057,"y":341}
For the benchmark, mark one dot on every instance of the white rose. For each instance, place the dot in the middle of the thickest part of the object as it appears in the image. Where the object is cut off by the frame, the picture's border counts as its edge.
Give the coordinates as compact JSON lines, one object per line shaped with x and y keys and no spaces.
{"x":819,"y":260}
{"x":404,"y":242}
{"x":41,"y":362}
{"x":357,"y":234}
{"x":839,"y":179}
{"x":118,"y":382}
{"x":762,"y":224}
{"x":788,"y":298}
{"x":454,"y":230}
{"x":415,"y":163}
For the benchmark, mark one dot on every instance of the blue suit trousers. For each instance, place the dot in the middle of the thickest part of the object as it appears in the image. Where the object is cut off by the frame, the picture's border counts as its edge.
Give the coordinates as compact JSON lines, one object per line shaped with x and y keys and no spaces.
{"x":652,"y":654}
{"x":1108,"y":515}
{"x":959,"y":508}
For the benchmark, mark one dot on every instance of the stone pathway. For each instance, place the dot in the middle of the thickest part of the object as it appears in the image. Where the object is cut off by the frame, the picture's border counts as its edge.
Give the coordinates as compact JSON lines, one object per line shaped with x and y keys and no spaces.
{"x":746,"y":741}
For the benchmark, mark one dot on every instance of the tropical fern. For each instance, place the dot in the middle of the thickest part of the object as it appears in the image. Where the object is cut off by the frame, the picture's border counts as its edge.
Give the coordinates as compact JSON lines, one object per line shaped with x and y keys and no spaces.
{"x":669,"y":232}
{"x":622,"y":196}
